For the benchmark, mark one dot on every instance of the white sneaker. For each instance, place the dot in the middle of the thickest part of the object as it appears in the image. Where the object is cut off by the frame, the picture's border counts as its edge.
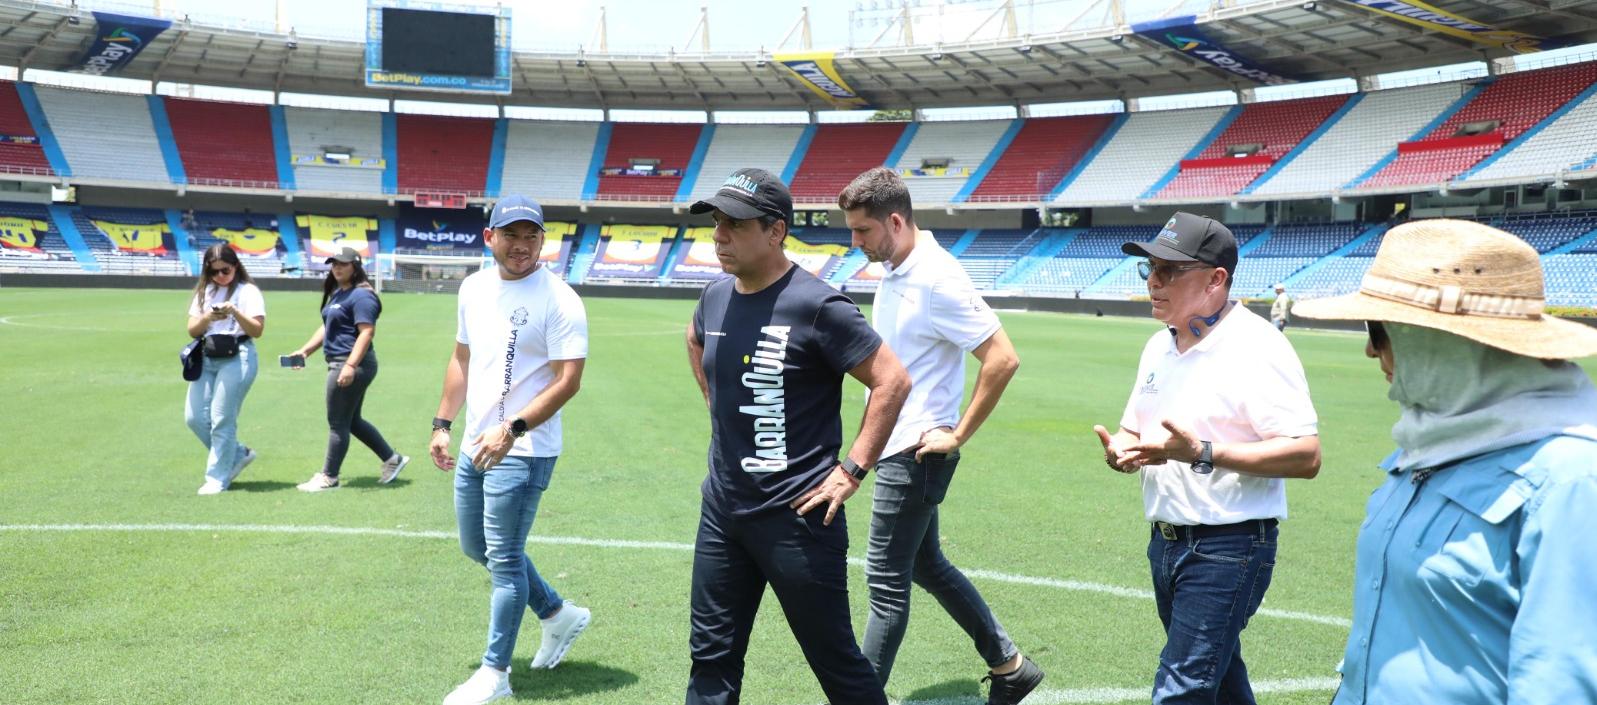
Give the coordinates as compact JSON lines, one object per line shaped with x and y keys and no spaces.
{"x":391,"y":468}
{"x":212,"y":486}
{"x":243,"y":462}
{"x":484,"y":686}
{"x":558,"y":633}
{"x":318,"y":483}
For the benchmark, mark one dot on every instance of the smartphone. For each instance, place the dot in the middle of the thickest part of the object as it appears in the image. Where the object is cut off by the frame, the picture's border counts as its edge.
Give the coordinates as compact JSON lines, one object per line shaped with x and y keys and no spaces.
{"x":291,"y":360}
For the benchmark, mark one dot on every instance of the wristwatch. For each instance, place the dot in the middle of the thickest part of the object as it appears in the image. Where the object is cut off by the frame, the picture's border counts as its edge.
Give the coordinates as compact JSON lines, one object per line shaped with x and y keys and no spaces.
{"x":1205,"y":462}
{"x":442,"y":424}
{"x":517,"y":427}
{"x":854,"y":470}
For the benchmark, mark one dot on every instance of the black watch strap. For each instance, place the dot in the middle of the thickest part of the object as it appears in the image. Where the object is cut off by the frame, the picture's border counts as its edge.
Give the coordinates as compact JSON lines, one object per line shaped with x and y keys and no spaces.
{"x":518,"y":427}
{"x":442,"y":424}
{"x":853,"y":469}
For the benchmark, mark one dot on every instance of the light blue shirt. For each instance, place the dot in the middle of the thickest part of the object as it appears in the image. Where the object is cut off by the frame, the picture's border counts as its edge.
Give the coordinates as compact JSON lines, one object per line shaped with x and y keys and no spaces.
{"x":1477,"y":582}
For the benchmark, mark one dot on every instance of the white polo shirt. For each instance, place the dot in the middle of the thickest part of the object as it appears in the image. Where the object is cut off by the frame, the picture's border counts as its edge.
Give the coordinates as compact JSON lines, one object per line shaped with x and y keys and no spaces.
{"x":928,"y":312}
{"x":1241,"y":383}
{"x":514,"y":328}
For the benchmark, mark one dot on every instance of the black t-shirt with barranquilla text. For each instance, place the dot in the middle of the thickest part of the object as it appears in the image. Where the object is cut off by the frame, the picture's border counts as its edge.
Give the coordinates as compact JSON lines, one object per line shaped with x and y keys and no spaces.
{"x":775,"y":361}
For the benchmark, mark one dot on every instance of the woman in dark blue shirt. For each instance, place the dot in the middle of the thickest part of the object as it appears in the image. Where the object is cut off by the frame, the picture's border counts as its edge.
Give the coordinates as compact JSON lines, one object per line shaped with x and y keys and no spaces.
{"x":349,"y":321}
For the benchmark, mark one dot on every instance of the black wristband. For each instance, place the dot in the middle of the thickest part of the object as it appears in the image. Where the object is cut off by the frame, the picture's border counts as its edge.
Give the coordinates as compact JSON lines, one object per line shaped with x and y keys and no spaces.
{"x":853,"y":469}
{"x":442,"y":424}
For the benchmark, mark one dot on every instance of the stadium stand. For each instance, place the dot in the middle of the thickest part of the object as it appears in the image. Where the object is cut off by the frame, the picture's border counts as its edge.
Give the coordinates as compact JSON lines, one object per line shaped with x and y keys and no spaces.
{"x":1507,"y":106}
{"x":1145,"y":148}
{"x":22,"y":151}
{"x":313,"y":133}
{"x":1259,"y":136}
{"x":20,"y":222}
{"x":549,"y":159}
{"x":1562,"y":145}
{"x":1548,"y":231}
{"x":1571,"y":279}
{"x":958,"y":146}
{"x":837,"y":154}
{"x":162,"y":257}
{"x":739,"y":146}
{"x":1361,"y":138}
{"x":224,"y":144}
{"x":670,"y":147}
{"x":1042,"y":153}
{"x":124,"y":148}
{"x":443,"y":154}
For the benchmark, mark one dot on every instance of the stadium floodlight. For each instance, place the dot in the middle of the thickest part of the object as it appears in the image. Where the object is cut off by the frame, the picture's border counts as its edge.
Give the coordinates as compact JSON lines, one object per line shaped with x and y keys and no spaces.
{"x":1024,"y":48}
{"x":935,"y":56}
{"x":1310,"y":5}
{"x":1117,"y":38}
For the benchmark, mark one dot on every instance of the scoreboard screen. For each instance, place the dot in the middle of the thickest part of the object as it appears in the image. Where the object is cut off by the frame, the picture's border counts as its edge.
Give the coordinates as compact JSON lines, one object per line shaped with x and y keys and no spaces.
{"x":432,"y":46}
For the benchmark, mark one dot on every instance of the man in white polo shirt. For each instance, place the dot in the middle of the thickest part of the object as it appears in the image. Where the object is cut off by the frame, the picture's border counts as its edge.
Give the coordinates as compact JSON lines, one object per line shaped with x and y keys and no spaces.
{"x":1219,"y":417}
{"x":927,"y":311}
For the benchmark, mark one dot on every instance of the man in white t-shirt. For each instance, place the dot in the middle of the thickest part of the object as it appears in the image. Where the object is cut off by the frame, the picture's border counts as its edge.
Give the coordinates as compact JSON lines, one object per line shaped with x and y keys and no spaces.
{"x":1219,"y":417}
{"x":520,"y":344}
{"x":927,"y":310}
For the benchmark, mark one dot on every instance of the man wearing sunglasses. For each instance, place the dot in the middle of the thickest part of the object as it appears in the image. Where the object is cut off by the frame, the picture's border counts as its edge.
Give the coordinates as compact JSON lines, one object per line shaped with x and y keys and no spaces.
{"x":1219,"y":417}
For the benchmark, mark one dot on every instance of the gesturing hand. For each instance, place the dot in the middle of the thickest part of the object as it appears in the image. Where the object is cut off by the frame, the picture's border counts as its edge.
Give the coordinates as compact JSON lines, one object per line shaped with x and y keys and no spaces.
{"x":833,"y":491}
{"x":438,"y":448}
{"x":1182,"y":445}
{"x":1112,"y":455}
{"x":492,"y":446}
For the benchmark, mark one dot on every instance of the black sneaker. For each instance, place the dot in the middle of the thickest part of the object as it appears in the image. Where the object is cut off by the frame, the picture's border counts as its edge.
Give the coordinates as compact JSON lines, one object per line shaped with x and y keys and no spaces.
{"x":1011,"y":688}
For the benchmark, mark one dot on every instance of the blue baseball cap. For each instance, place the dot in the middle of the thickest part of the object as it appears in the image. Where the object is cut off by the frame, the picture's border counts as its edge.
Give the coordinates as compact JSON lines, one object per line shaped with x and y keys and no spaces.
{"x":512,"y":208}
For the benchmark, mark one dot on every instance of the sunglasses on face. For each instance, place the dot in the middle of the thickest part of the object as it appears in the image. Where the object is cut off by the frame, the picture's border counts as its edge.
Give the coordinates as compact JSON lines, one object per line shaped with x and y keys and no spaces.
{"x":222,"y":272}
{"x":1378,"y":339}
{"x":1147,"y":269}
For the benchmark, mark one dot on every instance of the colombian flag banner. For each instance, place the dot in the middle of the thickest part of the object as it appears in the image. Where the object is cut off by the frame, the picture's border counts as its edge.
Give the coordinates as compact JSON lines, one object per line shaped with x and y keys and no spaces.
{"x":20,"y":236}
{"x":140,"y":238}
{"x":817,"y":71}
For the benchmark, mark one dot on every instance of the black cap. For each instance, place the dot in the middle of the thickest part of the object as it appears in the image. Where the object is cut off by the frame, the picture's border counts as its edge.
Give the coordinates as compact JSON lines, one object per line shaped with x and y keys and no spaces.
{"x":1191,"y":238}
{"x":749,"y":193}
{"x":345,"y":255}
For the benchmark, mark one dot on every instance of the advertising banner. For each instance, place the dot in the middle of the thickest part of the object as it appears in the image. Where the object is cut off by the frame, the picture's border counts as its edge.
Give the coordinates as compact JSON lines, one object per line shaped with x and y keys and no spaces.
{"x":329,"y":234}
{"x":1420,"y":14}
{"x":440,"y":231}
{"x":557,"y":239}
{"x":699,"y":260}
{"x":253,"y":242}
{"x":118,"y":39}
{"x":1182,"y":34}
{"x":136,"y":238}
{"x":631,"y":250}
{"x":816,"y":70}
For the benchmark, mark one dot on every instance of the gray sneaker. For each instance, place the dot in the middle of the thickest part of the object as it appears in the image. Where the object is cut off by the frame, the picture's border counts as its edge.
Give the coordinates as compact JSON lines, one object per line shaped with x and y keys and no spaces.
{"x":243,"y":462}
{"x":391,"y":468}
{"x":1011,"y":688}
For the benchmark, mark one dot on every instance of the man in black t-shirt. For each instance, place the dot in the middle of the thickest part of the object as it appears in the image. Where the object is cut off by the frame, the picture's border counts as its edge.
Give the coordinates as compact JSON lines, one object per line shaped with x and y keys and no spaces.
{"x":769,"y":347}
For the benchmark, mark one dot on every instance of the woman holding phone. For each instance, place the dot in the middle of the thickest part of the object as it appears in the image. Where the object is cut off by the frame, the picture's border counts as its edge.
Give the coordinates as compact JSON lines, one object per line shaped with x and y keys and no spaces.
{"x":349,"y":321}
{"x":229,"y":313}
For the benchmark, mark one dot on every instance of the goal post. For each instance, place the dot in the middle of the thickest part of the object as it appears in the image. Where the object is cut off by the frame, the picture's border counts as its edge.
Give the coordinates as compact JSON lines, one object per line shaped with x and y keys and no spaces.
{"x":424,"y":273}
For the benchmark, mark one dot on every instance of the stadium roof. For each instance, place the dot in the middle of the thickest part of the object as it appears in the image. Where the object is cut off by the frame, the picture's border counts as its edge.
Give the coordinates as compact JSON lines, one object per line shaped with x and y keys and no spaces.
{"x":1311,"y":40}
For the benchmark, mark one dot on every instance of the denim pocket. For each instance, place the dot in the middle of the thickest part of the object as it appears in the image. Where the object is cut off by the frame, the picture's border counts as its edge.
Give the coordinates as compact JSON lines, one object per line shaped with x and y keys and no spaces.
{"x":938,"y":471}
{"x":1233,"y":548}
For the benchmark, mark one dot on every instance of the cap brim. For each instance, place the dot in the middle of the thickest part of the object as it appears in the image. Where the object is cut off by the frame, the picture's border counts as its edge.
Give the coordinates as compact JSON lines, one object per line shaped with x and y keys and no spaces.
{"x":1156,"y":249}
{"x":1547,"y":338}
{"x":500,"y":224}
{"x":733,"y":207}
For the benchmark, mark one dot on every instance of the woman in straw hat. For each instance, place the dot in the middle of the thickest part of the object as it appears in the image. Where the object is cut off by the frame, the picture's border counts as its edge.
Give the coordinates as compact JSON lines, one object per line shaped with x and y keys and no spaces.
{"x":1475,"y":561}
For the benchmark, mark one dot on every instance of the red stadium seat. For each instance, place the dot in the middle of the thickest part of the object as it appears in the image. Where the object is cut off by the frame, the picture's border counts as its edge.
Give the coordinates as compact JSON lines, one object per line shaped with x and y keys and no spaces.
{"x":16,"y":157}
{"x":1041,"y":154}
{"x":672,"y":145}
{"x":443,"y":154}
{"x":1277,"y":127}
{"x":227,"y":144}
{"x":838,"y":154}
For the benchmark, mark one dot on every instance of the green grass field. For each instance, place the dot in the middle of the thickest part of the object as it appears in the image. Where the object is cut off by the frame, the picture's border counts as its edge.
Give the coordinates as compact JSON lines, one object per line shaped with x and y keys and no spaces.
{"x":119,"y":585}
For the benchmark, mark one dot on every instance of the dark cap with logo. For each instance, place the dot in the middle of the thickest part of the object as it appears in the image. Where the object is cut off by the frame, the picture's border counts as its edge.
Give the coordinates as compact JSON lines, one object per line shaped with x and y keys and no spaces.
{"x":749,"y":193}
{"x":1190,"y":238}
{"x":512,"y":208}
{"x":345,"y":255}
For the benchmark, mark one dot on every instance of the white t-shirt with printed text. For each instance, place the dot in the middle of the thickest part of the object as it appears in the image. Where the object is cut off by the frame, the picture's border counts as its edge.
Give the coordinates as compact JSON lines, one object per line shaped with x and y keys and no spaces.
{"x":246,"y":297}
{"x":1241,"y":383}
{"x":514,"y":328}
{"x":927,"y":310}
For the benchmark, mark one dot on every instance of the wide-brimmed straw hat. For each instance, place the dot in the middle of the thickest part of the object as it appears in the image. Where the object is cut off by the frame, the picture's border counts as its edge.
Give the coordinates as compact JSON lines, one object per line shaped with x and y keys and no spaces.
{"x":1464,"y":278}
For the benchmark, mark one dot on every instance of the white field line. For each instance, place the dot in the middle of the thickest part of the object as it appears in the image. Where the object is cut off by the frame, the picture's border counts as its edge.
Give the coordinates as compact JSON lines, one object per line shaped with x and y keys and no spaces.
{"x":995,"y":576}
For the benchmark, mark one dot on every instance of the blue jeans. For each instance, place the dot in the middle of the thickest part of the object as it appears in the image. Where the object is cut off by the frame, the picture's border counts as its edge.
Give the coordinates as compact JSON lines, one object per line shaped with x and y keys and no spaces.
{"x":1207,"y":588}
{"x":904,"y":548}
{"x":495,"y":510}
{"x":211,"y":410}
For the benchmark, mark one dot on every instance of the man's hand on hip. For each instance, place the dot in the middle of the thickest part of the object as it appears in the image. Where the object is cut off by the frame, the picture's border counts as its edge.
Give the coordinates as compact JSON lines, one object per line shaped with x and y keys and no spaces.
{"x":938,"y":440}
{"x":832,"y":492}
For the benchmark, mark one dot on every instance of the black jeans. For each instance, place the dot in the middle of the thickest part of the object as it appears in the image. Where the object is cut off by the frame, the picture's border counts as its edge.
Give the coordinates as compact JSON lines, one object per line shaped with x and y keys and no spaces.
{"x":343,"y":414}
{"x":805,"y":564}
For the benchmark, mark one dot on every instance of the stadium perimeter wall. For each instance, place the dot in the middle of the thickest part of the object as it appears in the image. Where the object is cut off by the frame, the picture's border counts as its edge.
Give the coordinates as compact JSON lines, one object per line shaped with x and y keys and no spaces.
{"x":1090,"y":307}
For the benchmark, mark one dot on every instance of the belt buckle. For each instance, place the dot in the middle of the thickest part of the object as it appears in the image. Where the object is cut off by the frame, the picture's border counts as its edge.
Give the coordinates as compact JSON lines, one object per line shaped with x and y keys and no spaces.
{"x":1168,"y":531}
